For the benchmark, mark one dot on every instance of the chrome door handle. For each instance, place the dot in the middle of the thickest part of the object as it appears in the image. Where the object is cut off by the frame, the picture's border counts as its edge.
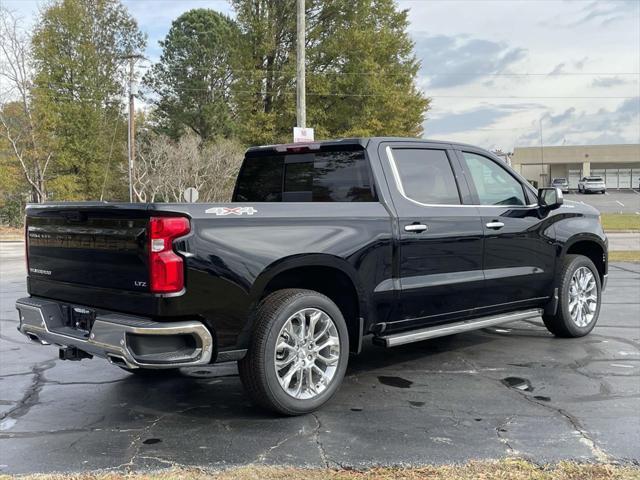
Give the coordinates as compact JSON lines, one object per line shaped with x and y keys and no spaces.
{"x":415,"y":227}
{"x":495,"y":225}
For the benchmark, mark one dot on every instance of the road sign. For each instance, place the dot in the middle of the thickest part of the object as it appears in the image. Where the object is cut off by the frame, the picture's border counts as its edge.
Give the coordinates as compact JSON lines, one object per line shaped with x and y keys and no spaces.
{"x":190,"y":195}
{"x":302,"y":135}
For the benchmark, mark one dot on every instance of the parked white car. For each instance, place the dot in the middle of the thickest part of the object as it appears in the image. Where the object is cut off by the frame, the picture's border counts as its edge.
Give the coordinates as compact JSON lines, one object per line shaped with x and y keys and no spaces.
{"x":592,"y":184}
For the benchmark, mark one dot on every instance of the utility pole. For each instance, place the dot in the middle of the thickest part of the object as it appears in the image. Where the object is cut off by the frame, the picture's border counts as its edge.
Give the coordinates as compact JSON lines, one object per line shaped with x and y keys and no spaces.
{"x":131,"y":137}
{"x":301,"y":104}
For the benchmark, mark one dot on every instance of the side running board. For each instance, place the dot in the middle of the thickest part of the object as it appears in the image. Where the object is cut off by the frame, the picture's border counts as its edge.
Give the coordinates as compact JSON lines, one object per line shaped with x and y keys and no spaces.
{"x":411,"y":336}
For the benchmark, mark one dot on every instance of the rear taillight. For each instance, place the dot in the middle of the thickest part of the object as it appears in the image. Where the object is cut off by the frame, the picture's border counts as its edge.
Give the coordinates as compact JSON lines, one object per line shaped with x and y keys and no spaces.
{"x":166,"y":268}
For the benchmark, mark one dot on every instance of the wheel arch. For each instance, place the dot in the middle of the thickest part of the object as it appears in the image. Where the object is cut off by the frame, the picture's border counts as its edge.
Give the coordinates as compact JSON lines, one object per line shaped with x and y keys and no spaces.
{"x":590,"y":246}
{"x":326,"y":274}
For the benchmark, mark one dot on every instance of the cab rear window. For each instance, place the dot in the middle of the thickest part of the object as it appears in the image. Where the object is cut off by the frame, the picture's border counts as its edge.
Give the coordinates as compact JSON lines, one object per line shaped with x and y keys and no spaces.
{"x":324,"y":176}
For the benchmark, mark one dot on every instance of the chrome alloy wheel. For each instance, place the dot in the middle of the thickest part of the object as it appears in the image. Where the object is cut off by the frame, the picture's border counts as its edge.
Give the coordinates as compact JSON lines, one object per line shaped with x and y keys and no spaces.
{"x":307,"y":353}
{"x":583,"y":297}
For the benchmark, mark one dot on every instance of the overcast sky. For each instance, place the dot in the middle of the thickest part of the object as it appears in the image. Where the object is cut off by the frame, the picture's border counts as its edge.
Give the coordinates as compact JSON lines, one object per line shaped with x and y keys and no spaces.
{"x":496,"y":69}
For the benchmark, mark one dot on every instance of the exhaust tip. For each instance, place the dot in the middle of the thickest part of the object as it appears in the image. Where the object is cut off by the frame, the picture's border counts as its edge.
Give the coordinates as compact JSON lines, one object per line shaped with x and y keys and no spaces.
{"x":115,"y":360}
{"x":33,"y":337}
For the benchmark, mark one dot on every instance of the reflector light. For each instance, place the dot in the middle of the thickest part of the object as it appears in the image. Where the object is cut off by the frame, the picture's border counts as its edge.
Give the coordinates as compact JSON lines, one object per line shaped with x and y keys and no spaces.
{"x":166,"y":267}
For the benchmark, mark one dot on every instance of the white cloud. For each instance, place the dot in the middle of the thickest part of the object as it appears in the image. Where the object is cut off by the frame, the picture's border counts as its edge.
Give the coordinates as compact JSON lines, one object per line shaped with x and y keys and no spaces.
{"x":567,"y":56}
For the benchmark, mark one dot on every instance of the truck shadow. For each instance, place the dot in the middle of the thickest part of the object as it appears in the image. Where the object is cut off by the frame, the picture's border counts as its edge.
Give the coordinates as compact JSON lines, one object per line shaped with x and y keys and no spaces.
{"x":215,"y":391}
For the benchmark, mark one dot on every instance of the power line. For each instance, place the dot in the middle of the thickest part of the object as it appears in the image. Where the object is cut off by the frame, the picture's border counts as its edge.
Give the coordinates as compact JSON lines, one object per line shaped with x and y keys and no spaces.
{"x":391,"y":74}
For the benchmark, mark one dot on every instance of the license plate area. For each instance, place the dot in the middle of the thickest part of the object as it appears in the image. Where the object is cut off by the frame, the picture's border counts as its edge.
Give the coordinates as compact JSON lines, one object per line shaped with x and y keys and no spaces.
{"x":79,"y":319}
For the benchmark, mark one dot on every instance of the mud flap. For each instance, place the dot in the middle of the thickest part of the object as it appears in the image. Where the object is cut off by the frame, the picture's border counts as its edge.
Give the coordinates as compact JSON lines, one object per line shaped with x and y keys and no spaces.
{"x":552,"y":305}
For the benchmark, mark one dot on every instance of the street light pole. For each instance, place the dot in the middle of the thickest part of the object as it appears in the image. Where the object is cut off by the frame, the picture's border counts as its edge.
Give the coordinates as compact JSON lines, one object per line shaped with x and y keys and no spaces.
{"x":301,"y":104}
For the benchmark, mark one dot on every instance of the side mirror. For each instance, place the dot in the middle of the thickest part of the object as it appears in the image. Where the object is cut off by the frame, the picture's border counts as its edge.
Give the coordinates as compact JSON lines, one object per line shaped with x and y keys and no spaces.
{"x":550,"y":197}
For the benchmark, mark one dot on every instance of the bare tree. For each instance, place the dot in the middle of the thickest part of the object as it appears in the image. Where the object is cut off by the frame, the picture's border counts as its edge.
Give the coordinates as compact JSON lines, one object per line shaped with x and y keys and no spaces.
{"x":164,"y":169}
{"x":27,"y":143}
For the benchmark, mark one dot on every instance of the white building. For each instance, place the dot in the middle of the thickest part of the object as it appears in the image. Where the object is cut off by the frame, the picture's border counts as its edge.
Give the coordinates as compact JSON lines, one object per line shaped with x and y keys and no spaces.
{"x":619,"y":165}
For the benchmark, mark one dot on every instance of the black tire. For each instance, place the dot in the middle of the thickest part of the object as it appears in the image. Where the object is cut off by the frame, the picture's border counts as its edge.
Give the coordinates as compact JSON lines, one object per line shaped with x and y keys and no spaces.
{"x":561,"y":324}
{"x":257,"y":370}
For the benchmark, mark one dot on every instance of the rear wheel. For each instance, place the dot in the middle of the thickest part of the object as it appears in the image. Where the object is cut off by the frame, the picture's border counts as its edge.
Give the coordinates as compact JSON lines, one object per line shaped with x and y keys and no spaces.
{"x":579,"y":295}
{"x":298,"y":353}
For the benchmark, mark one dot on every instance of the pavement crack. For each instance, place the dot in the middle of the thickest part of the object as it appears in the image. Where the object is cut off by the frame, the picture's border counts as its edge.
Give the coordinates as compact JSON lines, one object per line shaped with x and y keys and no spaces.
{"x":501,"y":430}
{"x":136,"y":442}
{"x":30,"y":396}
{"x":585,"y":437}
{"x":316,"y":438}
{"x":263,"y":456}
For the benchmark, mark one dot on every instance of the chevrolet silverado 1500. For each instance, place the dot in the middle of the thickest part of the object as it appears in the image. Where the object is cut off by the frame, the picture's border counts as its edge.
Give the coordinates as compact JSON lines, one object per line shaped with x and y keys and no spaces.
{"x":323,"y":244}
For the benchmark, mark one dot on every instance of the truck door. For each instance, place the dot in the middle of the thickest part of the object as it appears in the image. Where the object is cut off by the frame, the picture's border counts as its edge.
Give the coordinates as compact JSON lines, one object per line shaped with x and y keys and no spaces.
{"x":519,"y":252}
{"x":439,"y":256}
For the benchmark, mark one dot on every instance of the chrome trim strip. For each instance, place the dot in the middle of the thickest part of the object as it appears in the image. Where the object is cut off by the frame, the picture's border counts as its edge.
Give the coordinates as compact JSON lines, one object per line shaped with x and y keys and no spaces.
{"x":108,"y":336}
{"x":398,"y":182}
{"x":507,"y":272}
{"x":453,"y":328}
{"x":439,"y":279}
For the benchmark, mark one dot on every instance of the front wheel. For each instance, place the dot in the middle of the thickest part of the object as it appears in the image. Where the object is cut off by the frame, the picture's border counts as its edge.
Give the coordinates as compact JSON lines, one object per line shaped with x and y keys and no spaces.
{"x":298,"y":353}
{"x":579,"y":295}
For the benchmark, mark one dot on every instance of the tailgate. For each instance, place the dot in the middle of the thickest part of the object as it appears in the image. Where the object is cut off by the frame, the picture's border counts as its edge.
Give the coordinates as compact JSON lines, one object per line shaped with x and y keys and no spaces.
{"x":100,"y":246}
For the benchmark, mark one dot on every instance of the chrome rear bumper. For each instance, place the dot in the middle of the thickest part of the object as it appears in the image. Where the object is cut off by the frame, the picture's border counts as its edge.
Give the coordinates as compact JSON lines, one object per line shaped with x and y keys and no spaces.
{"x":127,"y":341}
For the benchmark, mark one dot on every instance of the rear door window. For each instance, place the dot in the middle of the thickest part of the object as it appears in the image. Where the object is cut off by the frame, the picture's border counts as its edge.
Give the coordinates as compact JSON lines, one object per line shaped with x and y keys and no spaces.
{"x":425,"y":176}
{"x":325,"y":176}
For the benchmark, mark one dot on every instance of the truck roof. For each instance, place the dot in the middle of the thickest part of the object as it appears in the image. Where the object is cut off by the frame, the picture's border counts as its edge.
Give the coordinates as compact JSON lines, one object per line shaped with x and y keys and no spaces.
{"x":362,"y":141}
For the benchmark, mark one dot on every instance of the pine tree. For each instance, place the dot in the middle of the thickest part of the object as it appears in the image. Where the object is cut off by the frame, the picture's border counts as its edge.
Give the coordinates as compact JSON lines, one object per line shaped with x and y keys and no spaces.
{"x":190,"y":85}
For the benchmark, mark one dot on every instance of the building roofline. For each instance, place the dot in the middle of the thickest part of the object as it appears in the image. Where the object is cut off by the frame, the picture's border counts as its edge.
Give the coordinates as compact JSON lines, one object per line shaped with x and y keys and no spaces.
{"x":604,"y":145}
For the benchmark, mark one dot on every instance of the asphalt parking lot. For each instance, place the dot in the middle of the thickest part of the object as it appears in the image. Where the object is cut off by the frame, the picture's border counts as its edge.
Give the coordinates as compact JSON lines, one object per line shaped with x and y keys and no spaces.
{"x":498,"y":392}
{"x":613,"y":201}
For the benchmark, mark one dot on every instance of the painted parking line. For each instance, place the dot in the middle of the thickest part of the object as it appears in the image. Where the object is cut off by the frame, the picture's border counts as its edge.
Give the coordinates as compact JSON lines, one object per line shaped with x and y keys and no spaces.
{"x":620,"y":203}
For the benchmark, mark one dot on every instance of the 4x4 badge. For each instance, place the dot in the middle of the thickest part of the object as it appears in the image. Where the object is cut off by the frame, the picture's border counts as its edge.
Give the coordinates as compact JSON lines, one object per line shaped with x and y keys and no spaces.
{"x":231,"y":210}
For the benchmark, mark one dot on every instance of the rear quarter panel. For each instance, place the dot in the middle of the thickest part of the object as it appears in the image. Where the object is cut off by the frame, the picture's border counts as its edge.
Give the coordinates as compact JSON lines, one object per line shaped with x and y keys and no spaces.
{"x":230,"y":258}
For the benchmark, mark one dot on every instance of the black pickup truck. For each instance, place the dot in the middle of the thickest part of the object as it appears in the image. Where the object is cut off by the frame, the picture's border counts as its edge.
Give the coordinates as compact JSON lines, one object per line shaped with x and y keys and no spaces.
{"x":323,"y":244}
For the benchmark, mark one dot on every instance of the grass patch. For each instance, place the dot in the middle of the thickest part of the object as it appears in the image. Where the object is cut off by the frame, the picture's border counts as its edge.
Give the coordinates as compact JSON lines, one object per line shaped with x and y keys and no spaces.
{"x":510,"y":469}
{"x":612,"y":222}
{"x":624,"y":256}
